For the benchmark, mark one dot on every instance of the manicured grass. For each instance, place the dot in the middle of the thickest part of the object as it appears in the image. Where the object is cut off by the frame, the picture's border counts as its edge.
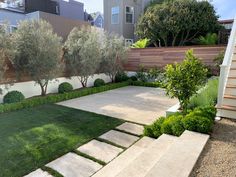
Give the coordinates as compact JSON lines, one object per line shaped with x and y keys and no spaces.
{"x":30,"y":138}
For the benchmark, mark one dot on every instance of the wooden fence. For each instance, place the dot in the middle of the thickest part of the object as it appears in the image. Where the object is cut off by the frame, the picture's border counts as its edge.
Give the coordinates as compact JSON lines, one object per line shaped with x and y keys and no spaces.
{"x":160,"y":57}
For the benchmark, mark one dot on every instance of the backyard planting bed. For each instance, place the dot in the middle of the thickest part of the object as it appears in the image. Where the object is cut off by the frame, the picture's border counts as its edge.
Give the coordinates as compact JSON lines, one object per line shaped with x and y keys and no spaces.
{"x":33,"y":137}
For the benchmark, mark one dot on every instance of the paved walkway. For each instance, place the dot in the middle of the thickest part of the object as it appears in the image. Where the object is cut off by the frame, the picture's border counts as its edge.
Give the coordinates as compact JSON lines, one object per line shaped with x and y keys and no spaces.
{"x":136,"y":104}
{"x":75,"y":165}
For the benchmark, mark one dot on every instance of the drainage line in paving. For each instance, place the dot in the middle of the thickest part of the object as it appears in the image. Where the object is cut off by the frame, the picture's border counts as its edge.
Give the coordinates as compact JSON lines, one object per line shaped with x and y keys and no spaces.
{"x":123,"y":131}
{"x":51,"y":171}
{"x":89,"y":157}
{"x":111,"y":143}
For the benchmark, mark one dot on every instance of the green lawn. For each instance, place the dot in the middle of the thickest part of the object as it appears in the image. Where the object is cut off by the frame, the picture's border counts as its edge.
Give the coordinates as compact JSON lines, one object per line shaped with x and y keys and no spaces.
{"x":32,"y":137}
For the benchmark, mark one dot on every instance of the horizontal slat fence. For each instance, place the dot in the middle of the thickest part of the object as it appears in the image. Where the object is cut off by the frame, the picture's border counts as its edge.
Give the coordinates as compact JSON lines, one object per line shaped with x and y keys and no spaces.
{"x":160,"y":57}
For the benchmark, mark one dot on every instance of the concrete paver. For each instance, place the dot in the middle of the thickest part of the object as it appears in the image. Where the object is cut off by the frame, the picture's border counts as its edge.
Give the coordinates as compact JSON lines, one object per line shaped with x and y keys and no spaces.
{"x":131,"y":128}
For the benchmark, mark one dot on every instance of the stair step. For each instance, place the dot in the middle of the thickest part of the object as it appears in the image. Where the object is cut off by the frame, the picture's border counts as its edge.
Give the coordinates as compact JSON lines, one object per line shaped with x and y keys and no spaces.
{"x":232,"y":73}
{"x":229,"y":100}
{"x":144,"y":162}
{"x":123,"y":160}
{"x":227,"y":107}
{"x":181,"y":157}
{"x":230,"y":86}
{"x":231,"y":81}
{"x":230,"y":90}
{"x":227,"y":113}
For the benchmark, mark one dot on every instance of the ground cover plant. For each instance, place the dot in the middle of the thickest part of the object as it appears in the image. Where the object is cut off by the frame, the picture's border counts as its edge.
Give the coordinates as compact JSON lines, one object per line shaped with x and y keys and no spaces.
{"x":31,"y":138}
{"x":207,"y":95}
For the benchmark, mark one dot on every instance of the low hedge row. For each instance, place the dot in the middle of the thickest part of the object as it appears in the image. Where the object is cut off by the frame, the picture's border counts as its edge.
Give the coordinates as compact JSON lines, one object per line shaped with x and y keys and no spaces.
{"x":199,"y":120}
{"x":146,"y":84}
{"x":53,"y":98}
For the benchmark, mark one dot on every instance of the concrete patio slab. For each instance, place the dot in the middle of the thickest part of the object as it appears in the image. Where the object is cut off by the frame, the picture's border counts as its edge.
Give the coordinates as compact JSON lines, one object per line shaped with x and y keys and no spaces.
{"x":72,"y":165}
{"x":136,"y":104}
{"x":39,"y":173}
{"x":100,"y":150}
{"x":119,"y":138}
{"x":131,"y":128}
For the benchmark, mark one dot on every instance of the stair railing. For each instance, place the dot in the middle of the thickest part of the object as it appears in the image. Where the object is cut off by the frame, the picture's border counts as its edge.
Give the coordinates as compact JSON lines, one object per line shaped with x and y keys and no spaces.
{"x":225,"y":67}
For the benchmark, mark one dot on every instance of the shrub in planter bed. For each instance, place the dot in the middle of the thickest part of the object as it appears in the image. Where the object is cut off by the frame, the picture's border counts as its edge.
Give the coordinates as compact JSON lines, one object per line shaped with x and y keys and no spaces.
{"x":154,"y":130}
{"x":197,"y":123}
{"x":200,"y":120}
{"x":121,"y":76}
{"x":35,"y":101}
{"x":133,"y":78}
{"x":99,"y":82}
{"x":13,"y":97}
{"x":65,"y":87}
{"x":146,"y":84}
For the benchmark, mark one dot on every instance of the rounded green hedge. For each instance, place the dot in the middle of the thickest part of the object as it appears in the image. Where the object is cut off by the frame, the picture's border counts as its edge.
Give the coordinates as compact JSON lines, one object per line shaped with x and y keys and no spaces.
{"x":65,"y":87}
{"x":99,"y":82}
{"x":121,"y":76}
{"x":13,"y":97}
{"x":133,"y":78}
{"x":173,"y":125}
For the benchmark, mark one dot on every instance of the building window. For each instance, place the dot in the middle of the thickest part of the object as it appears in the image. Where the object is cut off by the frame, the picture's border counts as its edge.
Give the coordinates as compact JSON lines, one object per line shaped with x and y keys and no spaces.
{"x":115,"y":15}
{"x":129,"y":14}
{"x":129,"y":42}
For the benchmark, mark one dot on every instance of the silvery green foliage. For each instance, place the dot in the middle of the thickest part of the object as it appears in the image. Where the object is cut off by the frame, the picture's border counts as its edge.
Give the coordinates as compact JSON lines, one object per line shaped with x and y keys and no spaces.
{"x":5,"y":51}
{"x":38,"y":52}
{"x":114,"y":55}
{"x":83,"y":52}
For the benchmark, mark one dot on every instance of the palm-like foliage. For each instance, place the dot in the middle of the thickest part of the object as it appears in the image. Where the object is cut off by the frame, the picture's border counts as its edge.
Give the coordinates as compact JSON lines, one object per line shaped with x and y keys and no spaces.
{"x":142,"y":43}
{"x":209,"y":39}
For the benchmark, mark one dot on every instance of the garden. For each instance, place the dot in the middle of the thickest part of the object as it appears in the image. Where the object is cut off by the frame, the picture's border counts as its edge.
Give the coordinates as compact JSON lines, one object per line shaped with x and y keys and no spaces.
{"x":35,"y":131}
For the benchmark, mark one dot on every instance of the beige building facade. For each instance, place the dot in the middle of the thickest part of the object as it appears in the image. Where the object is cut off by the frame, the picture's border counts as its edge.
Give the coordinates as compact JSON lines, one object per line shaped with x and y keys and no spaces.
{"x":121,"y":16}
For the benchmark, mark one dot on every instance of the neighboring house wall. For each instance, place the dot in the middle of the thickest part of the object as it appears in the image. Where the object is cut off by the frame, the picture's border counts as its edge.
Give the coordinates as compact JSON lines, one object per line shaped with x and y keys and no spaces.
{"x":71,"y":9}
{"x":123,"y":27}
{"x":61,"y":25}
{"x":99,"y":21}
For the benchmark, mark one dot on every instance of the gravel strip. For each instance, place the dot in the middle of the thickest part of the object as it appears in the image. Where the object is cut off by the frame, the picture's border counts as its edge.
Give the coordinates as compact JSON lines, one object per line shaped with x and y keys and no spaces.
{"x":219,"y":156}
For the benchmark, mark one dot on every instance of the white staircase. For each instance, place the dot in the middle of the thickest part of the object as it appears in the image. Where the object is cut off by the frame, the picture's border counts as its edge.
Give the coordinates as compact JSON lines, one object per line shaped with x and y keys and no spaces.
{"x":167,"y":156}
{"x":226,"y":106}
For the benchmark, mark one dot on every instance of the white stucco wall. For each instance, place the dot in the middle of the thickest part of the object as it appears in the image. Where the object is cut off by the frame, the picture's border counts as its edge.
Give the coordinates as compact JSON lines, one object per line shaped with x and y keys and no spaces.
{"x":30,"y":89}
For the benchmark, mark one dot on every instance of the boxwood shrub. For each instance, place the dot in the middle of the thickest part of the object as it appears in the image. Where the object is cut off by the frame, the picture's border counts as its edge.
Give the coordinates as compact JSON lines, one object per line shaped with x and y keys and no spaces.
{"x":65,"y":87}
{"x":99,"y":82}
{"x":200,"y":120}
{"x":54,"y":98}
{"x":13,"y":97}
{"x":145,"y":84}
{"x":121,"y":77}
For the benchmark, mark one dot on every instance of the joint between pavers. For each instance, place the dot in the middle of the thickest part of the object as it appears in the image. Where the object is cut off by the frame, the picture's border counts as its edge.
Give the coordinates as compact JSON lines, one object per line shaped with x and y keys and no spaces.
{"x":123,"y":131}
{"x":52,"y":171}
{"x":109,"y":142}
{"x":89,"y":157}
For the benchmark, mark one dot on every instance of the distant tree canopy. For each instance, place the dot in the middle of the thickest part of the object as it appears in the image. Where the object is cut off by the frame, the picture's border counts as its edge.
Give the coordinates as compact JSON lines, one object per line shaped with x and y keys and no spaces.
{"x":177,"y":22}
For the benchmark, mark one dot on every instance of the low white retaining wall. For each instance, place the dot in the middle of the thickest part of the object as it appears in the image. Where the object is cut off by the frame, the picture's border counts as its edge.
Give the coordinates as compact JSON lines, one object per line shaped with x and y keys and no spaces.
{"x":30,"y":89}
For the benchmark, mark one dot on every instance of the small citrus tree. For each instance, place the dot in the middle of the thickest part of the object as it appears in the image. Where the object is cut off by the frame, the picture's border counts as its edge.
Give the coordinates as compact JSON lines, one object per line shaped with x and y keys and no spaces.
{"x":114,"y":55}
{"x":83,"y":53}
{"x":183,"y":79}
{"x":38,"y":52}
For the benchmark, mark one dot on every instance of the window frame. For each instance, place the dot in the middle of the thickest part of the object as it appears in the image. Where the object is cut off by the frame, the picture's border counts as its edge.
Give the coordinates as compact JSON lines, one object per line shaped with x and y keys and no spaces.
{"x":118,"y":13}
{"x":132,"y":13}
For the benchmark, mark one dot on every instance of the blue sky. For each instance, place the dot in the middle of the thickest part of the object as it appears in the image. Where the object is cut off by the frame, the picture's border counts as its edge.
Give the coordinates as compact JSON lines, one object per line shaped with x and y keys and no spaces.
{"x":225,"y":8}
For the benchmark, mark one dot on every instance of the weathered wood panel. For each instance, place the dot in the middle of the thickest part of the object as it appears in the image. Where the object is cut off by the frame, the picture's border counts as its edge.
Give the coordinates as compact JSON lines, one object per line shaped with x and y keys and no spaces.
{"x":160,"y":57}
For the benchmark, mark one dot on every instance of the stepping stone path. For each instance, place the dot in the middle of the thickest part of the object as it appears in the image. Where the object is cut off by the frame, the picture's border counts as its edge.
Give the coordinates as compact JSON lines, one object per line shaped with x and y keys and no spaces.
{"x":131,"y":128}
{"x":100,"y":150}
{"x":72,"y":165}
{"x":119,"y":138}
{"x":38,"y":173}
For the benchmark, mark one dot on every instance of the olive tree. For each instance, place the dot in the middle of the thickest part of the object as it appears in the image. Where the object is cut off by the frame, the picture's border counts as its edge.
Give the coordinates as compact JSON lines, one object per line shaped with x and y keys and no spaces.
{"x":183,"y":79}
{"x":114,"y":55}
{"x":6,"y":51}
{"x":83,"y":53}
{"x":38,"y":52}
